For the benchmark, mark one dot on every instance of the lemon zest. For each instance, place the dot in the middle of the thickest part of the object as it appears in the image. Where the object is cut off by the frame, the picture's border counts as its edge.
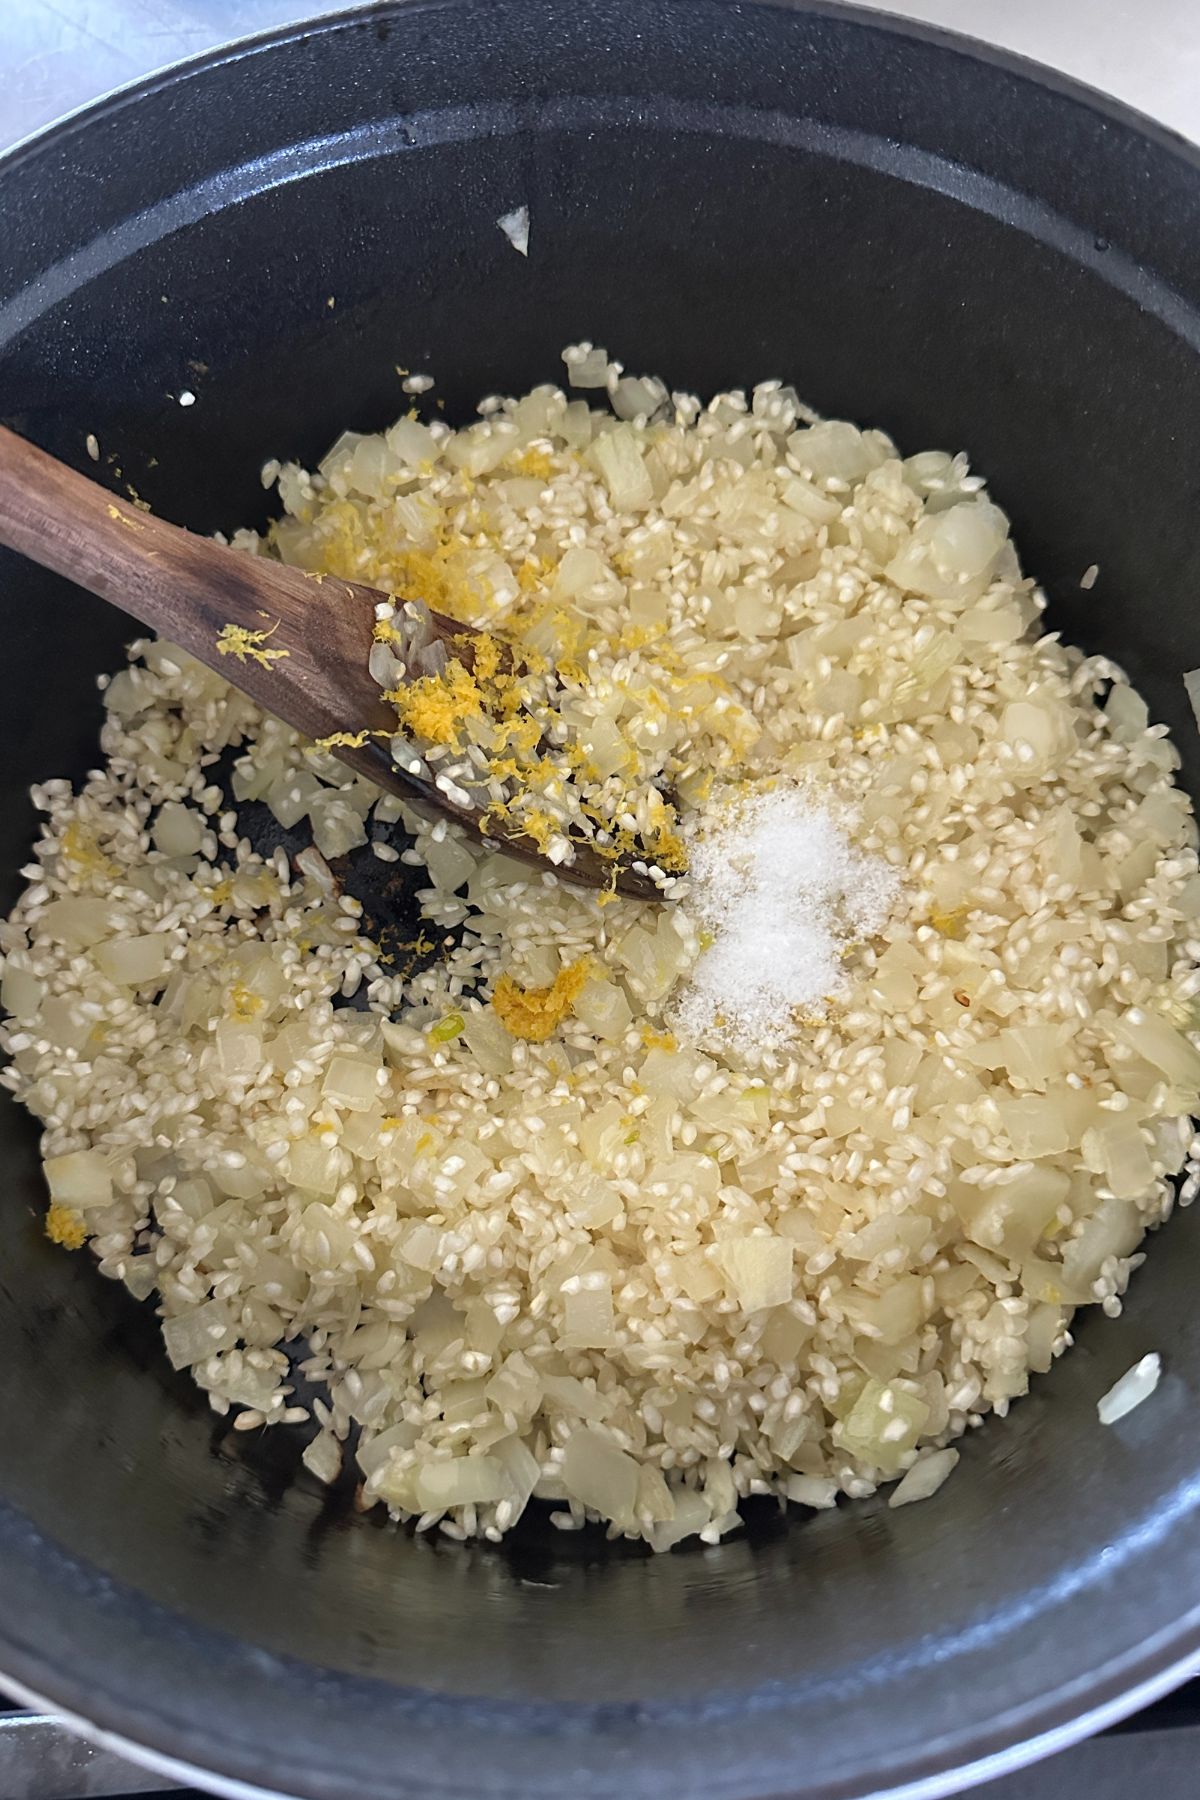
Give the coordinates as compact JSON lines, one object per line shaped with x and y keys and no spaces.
{"x":347,"y":740}
{"x":952,"y":924}
{"x":247,"y":645}
{"x":79,"y":846}
{"x":536,"y":1013}
{"x":65,"y":1226}
{"x":244,"y":1004}
{"x":434,"y":707}
{"x":535,"y":463}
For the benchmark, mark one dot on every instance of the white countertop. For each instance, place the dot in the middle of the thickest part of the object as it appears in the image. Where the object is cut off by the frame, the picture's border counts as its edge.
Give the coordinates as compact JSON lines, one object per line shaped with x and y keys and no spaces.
{"x":1147,"y":52}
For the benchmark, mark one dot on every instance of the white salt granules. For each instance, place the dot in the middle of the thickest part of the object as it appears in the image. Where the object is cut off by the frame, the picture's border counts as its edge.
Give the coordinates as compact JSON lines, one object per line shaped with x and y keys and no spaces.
{"x":776,"y":881}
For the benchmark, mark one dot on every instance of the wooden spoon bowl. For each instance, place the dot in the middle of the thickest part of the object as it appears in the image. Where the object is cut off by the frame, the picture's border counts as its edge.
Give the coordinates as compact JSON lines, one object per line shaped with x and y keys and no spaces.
{"x":308,"y":637}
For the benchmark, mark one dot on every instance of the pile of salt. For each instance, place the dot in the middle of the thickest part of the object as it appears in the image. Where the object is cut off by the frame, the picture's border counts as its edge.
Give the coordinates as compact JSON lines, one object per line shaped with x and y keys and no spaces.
{"x":774,"y":878}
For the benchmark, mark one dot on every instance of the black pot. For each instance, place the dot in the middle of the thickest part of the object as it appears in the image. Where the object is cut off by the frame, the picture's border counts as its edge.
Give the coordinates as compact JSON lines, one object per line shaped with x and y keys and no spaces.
{"x":918,"y":233}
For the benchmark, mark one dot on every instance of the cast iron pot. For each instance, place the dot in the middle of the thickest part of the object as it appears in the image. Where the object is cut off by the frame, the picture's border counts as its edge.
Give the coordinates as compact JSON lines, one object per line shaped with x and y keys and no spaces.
{"x":917,"y":232}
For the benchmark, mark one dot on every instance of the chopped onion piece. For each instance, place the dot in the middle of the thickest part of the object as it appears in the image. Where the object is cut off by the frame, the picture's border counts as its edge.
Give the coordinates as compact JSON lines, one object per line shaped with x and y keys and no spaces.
{"x":352,"y":1081}
{"x":924,"y":1478}
{"x":587,"y":368}
{"x":78,"y":923}
{"x":759,"y":1271}
{"x":179,"y":830}
{"x":135,"y":962}
{"x":323,"y":1457}
{"x":21,"y":992}
{"x":599,"y":1475}
{"x":81,"y":1178}
{"x":1137,"y":1384}
{"x":1191,"y":682}
{"x":618,"y":457}
{"x":588,"y":1314}
{"x":1159,"y":1044}
{"x":195,"y":1335}
{"x":816,"y":1491}
{"x":463,"y":1481}
{"x":692,"y":1513}
{"x":515,"y":226}
{"x":311,"y":863}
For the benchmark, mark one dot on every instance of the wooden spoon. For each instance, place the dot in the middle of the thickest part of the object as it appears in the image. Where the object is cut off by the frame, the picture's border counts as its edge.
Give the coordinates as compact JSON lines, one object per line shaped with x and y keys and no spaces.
{"x":188,"y":589}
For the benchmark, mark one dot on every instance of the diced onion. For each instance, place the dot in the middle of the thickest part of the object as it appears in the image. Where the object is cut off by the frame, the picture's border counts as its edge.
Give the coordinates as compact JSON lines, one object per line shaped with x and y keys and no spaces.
{"x":198,"y":1333}
{"x":619,"y":459}
{"x":599,"y":1475}
{"x":816,"y":1491}
{"x":322,"y":1457}
{"x":924,"y":1478}
{"x":463,"y":1481}
{"x":1191,"y":682}
{"x":589,"y":369}
{"x":1137,"y":1384}
{"x":135,"y":962}
{"x":79,"y":1179}
{"x":515,"y":226}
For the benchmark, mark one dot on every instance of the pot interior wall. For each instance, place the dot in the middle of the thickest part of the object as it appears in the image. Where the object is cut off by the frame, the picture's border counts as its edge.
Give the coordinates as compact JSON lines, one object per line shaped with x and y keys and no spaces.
{"x":931,"y":291}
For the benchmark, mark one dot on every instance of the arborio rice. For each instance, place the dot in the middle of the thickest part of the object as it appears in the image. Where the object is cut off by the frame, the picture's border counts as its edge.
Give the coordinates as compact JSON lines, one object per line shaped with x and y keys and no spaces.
{"x":574,"y":1256}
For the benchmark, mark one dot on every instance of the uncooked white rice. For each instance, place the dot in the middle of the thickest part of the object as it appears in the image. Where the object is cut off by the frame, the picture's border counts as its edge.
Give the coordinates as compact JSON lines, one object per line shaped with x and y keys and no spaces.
{"x":634,"y":1278}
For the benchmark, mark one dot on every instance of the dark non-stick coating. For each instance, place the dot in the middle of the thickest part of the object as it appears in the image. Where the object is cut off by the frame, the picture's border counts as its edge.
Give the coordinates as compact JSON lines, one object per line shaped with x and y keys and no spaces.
{"x":929,"y":237}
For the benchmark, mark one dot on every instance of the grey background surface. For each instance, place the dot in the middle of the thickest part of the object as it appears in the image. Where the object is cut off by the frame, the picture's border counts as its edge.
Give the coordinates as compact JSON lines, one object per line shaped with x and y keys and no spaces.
{"x":56,"y":55}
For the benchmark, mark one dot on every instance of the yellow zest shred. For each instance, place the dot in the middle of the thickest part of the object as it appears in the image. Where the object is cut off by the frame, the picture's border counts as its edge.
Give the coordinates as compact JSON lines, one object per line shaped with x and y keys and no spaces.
{"x":80,"y":848}
{"x":952,"y":924}
{"x":658,"y":1040}
{"x":434,"y":707}
{"x":536,"y":463}
{"x":66,"y":1227}
{"x":488,"y":698}
{"x":667,"y":849}
{"x":247,"y":645}
{"x":536,"y":1013}
{"x":541,"y":827}
{"x":347,"y":740}
{"x":533,"y":572}
{"x":488,"y":656}
{"x":244,"y":1004}
{"x":636,"y":637}
{"x":407,"y":950}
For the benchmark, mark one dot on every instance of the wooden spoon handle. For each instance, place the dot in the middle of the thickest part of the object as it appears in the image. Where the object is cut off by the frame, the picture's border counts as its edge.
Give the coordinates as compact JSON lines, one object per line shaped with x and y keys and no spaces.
{"x":188,"y":588}
{"x":68,"y":523}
